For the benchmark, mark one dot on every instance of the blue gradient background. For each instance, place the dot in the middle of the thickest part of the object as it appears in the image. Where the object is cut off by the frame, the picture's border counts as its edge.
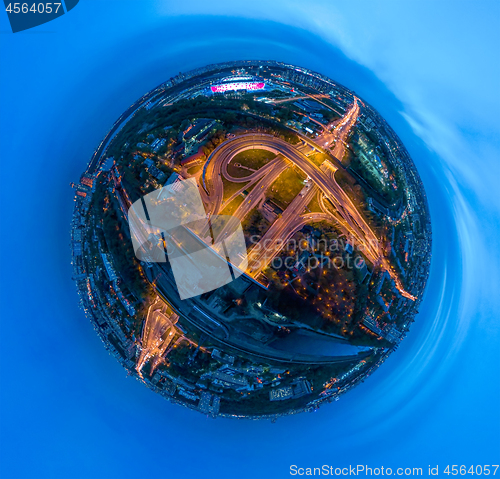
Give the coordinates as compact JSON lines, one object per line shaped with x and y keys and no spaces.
{"x":430,"y":68}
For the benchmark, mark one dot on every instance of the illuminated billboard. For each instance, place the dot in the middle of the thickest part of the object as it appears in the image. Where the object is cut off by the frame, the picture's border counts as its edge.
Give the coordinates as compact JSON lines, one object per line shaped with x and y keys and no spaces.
{"x":237,"y":86}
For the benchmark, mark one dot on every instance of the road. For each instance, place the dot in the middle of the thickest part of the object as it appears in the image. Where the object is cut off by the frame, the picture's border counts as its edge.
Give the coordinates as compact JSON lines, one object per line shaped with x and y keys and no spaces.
{"x":218,"y":161}
{"x":274,"y":238}
{"x":152,"y":342}
{"x":257,"y":195}
{"x":302,"y":97}
{"x":321,"y":179}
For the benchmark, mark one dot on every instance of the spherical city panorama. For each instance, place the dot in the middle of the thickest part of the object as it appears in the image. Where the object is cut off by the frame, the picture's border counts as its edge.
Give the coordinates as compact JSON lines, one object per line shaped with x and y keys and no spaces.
{"x":251,"y":239}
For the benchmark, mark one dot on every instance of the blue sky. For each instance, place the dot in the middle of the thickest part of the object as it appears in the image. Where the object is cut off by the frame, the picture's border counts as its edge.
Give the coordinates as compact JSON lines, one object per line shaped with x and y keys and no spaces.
{"x":430,"y":68}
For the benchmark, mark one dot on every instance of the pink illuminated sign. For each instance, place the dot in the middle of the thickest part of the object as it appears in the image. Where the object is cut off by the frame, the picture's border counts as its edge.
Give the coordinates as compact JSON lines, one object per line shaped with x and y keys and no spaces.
{"x":237,"y":86}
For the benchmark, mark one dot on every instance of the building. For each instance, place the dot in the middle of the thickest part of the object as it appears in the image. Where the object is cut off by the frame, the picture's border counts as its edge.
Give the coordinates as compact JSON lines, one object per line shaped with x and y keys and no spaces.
{"x":173,"y":183}
{"x":199,"y":155}
{"x":109,"y":267}
{"x":301,"y":387}
{"x":159,"y":175}
{"x":280,"y":394}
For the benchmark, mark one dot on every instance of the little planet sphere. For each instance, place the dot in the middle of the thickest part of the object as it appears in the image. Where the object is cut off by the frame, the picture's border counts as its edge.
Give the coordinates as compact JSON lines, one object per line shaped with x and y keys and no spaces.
{"x":251,"y":239}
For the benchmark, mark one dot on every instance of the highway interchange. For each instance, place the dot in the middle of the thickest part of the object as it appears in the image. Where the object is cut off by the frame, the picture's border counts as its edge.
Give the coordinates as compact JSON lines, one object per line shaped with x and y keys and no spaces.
{"x":351,"y":220}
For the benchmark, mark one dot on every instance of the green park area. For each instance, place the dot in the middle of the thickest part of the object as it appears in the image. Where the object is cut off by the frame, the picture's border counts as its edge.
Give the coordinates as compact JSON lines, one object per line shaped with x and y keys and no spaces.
{"x":230,"y":208}
{"x":314,"y":206}
{"x":318,"y":158}
{"x":286,"y":187}
{"x":231,"y":188}
{"x":254,"y":158}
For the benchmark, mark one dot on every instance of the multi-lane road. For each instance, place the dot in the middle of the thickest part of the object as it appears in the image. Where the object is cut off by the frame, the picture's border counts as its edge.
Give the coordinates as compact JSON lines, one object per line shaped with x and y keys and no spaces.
{"x":321,"y":178}
{"x":153,"y":342}
{"x":281,"y":230}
